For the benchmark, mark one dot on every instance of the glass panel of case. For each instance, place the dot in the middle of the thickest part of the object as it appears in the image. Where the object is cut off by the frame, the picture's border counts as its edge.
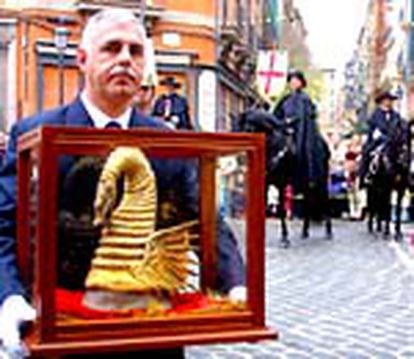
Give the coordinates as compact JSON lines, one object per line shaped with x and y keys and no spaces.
{"x":232,"y":196}
{"x":129,"y":237}
{"x":28,"y":247}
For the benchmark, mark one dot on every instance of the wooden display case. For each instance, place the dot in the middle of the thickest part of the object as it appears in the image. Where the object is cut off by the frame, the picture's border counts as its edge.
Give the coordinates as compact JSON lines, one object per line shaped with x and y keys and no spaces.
{"x":39,"y":155}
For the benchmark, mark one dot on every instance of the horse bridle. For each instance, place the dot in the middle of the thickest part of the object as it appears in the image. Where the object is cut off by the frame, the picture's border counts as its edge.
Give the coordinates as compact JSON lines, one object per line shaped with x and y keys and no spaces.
{"x":375,"y":162}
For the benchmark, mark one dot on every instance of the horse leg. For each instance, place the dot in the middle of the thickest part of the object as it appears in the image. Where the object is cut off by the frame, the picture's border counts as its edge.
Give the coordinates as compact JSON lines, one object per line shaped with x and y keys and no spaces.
{"x":370,"y":210}
{"x":379,"y":222}
{"x":305,"y":230}
{"x":386,"y":215}
{"x":282,"y":211}
{"x":285,"y":234}
{"x":370,"y":222}
{"x":306,"y":215}
{"x":379,"y":209}
{"x":387,"y":229}
{"x":328,"y":221}
{"x":328,"y":228}
{"x":398,"y":234}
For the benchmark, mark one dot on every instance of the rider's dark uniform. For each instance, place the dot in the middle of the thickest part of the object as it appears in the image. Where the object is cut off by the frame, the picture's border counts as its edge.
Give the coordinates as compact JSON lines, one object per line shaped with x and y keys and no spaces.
{"x":386,"y":129}
{"x":297,"y":111}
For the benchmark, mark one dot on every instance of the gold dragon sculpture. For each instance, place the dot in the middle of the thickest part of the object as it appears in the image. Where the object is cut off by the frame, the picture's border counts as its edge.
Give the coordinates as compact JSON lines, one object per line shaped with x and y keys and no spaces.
{"x":132,"y":256}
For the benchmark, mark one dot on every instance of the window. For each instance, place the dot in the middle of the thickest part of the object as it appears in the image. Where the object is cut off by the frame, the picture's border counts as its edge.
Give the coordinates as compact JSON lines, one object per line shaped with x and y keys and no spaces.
{"x":7,"y":76}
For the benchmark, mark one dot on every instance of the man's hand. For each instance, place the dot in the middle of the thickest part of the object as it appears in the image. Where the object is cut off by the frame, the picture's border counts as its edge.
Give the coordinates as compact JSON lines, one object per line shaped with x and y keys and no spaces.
{"x":377,"y":134}
{"x":13,"y":313}
{"x":238,"y":294}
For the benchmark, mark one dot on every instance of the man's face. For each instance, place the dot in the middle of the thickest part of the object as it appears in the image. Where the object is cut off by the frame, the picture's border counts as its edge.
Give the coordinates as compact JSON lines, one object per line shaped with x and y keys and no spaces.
{"x":113,"y":62}
{"x":387,"y":103}
{"x":295,"y":83}
{"x":171,"y":89}
{"x":145,"y":95}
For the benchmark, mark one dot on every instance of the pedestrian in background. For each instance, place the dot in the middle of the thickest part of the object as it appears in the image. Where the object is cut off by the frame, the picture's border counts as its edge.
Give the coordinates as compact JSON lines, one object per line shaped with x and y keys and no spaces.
{"x":355,"y":195}
{"x":145,"y":98}
{"x":172,"y":107}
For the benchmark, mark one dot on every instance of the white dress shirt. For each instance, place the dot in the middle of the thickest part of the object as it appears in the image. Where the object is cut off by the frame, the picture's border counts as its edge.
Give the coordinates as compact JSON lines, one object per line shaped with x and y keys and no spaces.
{"x":101,"y":119}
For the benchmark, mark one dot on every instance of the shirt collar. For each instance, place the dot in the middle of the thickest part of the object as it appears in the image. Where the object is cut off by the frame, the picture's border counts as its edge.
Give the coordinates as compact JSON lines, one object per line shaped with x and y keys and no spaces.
{"x":101,"y":119}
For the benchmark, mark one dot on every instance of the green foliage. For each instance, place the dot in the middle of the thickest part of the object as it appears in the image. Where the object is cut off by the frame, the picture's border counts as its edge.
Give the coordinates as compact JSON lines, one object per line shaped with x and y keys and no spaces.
{"x":316,"y":85}
{"x":315,"y":89}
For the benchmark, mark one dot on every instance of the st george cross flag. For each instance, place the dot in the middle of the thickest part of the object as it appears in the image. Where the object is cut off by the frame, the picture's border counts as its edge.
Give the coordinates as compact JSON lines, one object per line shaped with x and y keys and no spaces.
{"x":272,"y":67}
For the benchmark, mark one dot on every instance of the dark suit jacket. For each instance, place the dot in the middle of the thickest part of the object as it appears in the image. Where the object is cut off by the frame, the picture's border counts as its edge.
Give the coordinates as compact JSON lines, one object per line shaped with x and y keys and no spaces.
{"x":379,"y":121}
{"x":170,"y":174}
{"x":179,"y":108}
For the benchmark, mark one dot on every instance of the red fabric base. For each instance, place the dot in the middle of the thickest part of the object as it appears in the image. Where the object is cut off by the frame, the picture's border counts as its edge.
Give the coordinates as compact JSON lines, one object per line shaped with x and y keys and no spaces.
{"x":69,"y":303}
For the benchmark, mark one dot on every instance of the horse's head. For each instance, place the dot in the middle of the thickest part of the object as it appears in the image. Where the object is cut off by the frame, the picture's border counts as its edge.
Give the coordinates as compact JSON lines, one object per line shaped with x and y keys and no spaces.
{"x":260,"y":121}
{"x":257,"y":121}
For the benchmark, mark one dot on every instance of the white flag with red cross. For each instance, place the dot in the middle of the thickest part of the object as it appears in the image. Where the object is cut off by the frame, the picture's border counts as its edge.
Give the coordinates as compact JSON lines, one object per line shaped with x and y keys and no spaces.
{"x":272,"y":67}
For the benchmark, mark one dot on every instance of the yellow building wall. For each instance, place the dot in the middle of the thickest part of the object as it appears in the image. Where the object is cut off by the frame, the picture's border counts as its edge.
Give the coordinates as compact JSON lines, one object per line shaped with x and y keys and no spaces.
{"x":194,"y":21}
{"x":205,"y":7}
{"x":197,"y":38}
{"x":196,"y":32}
{"x":50,"y":4}
{"x":27,"y":70}
{"x":51,"y":81}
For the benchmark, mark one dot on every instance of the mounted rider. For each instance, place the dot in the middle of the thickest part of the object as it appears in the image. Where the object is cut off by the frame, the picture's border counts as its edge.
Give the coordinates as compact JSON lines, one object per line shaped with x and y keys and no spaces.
{"x":385,"y":164}
{"x":387,"y":132}
{"x":309,"y":152}
{"x":298,"y":112}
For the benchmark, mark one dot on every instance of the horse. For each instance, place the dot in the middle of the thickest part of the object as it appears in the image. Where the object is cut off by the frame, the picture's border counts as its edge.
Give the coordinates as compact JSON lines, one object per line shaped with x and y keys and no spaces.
{"x":281,"y":162}
{"x":387,"y":171}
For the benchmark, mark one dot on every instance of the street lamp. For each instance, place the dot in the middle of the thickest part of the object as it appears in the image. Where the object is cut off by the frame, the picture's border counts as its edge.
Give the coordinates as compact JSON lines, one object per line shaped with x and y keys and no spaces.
{"x":61,"y":43}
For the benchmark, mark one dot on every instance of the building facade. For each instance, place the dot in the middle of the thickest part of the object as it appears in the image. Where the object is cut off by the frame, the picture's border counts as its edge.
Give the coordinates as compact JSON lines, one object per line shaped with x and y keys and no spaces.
{"x":210,"y":47}
{"x":383,"y":58}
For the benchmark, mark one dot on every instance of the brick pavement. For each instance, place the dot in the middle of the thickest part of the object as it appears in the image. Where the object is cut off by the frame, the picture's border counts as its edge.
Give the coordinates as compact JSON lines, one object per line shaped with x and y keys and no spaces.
{"x":348,"y":298}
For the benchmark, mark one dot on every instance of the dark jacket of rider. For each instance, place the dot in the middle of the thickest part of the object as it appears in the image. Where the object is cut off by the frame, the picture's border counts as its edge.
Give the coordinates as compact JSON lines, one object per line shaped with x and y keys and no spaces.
{"x":385,"y":128}
{"x":298,"y":112}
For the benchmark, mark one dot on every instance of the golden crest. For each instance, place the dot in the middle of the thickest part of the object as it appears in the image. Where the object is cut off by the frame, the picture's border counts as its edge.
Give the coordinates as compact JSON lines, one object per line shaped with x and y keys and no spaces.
{"x":132,"y":256}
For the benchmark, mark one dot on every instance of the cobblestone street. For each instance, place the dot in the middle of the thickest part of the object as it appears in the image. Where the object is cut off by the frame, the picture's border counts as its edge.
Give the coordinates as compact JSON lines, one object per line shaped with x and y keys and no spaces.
{"x":352,"y":297}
